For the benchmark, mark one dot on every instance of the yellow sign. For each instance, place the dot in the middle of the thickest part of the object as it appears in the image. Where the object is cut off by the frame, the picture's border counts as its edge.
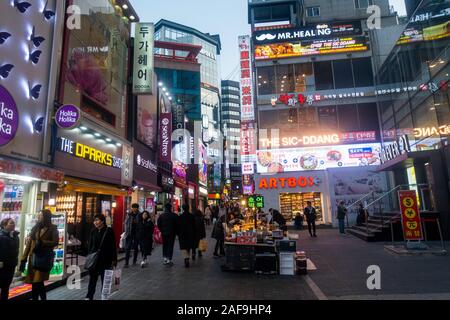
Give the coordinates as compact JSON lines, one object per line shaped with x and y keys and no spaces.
{"x":412,"y":225}
{"x":410,"y":213}
{"x":408,"y":202}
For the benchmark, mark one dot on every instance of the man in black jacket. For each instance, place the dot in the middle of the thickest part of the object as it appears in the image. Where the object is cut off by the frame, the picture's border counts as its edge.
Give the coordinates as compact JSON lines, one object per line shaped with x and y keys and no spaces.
{"x":131,"y":225}
{"x":9,"y":253}
{"x":311,"y":216}
{"x":167,"y":224}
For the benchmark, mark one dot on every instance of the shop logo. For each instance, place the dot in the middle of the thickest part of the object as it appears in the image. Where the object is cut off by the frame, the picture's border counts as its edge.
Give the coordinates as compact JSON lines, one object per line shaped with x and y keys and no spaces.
{"x":278,"y":183}
{"x":165,"y":121}
{"x":9,"y":117}
{"x":147,"y":164}
{"x":267,"y":36}
{"x":67,"y":116}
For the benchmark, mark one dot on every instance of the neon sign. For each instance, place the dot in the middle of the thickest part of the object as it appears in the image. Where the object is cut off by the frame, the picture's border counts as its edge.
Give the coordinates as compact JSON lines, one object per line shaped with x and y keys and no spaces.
{"x":278,"y":183}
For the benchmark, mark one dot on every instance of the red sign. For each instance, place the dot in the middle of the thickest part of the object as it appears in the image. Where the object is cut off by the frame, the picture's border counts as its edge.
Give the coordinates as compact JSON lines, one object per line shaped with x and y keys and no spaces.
{"x":165,"y":142}
{"x":412,"y":227}
{"x":277,"y":183}
{"x":23,"y":169}
{"x":247,"y":108}
{"x":248,"y":141}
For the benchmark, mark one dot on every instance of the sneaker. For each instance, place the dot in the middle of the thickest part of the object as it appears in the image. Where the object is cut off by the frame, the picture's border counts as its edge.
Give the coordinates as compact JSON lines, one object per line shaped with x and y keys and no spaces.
{"x":143,"y":264}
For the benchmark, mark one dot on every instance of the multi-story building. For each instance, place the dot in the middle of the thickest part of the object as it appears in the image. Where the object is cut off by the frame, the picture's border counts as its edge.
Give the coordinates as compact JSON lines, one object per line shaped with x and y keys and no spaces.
{"x":231,"y":128}
{"x":316,"y":103}
{"x":414,"y":110}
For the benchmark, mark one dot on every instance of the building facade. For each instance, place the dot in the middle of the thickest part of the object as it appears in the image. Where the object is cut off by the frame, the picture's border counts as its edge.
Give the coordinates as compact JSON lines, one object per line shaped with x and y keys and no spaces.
{"x":316,"y":103}
{"x":231,"y":128}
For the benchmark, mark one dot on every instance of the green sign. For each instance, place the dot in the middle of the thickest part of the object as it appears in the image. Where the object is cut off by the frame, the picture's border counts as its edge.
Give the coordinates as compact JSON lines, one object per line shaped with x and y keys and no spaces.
{"x":255,"y":202}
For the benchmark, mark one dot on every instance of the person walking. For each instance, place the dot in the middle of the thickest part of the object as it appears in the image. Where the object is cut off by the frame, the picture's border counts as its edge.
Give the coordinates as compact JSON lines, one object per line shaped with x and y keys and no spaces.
{"x":215,"y":211}
{"x":146,"y":228}
{"x":103,"y":241}
{"x":9,"y":255}
{"x":362,"y":215}
{"x":341,"y":214}
{"x":200,"y":232}
{"x":208,"y":215}
{"x":40,"y":244}
{"x":131,"y":241}
{"x":186,"y":234}
{"x":167,"y":224}
{"x":311,"y":216}
{"x":218,"y":233}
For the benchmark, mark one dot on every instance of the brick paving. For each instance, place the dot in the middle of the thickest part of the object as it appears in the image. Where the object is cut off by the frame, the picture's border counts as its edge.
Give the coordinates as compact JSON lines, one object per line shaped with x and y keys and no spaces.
{"x":341,"y":263}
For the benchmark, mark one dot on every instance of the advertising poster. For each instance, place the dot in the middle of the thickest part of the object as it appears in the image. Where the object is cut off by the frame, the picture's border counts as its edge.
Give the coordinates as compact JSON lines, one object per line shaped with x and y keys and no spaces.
{"x":147,"y":117}
{"x":412,"y":224}
{"x":248,"y":141}
{"x":202,"y":165}
{"x":317,"y":158}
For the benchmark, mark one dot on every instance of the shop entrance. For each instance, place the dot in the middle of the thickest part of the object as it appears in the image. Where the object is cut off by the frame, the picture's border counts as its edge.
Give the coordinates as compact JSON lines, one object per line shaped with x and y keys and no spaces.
{"x":292,"y":203}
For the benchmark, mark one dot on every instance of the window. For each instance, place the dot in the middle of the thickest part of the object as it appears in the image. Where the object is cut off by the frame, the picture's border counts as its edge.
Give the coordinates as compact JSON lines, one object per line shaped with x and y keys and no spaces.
{"x":362,"y":69}
{"x":368,"y":117}
{"x":324,"y":75}
{"x":328,"y":118}
{"x":285,"y":78}
{"x":348,"y":118}
{"x":266,"y":80}
{"x":304,"y":77}
{"x":363,"y":4}
{"x":313,"y":11}
{"x":343,"y":77}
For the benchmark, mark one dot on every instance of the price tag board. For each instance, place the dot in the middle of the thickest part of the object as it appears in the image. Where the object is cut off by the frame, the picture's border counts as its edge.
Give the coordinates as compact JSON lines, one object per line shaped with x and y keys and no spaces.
{"x":411,"y":222}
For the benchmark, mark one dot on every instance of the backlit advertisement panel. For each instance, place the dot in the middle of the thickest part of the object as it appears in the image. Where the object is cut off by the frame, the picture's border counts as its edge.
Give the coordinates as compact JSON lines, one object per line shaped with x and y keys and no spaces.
{"x":317,"y":158}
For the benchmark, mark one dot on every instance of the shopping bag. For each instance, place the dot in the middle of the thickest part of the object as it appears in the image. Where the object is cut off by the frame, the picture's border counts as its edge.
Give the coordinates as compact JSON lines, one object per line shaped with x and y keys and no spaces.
{"x":122,"y":242}
{"x":203,"y":245}
{"x":157,"y":236}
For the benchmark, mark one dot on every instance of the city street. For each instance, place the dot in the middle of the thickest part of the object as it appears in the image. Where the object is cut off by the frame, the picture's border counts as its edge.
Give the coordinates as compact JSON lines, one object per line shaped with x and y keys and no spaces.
{"x":341,"y":263}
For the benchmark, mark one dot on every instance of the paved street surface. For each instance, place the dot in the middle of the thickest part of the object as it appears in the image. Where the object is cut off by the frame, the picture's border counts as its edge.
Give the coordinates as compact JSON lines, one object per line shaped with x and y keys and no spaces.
{"x":341,"y":263}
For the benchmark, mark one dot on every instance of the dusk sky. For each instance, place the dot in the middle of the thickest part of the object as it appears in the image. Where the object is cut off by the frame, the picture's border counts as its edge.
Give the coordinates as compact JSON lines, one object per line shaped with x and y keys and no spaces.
{"x":227,"y":18}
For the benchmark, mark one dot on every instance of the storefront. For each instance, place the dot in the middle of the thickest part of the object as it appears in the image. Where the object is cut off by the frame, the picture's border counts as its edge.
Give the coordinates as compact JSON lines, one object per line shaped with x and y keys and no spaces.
{"x":99,"y":171}
{"x":181,"y":192}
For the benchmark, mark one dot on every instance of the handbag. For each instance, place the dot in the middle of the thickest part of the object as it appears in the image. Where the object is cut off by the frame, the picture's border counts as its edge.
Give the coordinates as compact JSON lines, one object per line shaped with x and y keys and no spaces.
{"x":203,"y":245}
{"x":157,"y":236}
{"x":43,"y":259}
{"x":91,"y":259}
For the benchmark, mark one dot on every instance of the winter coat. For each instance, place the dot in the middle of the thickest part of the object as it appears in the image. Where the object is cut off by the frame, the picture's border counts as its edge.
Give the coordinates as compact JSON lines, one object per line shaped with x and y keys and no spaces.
{"x":9,"y":249}
{"x":145,"y":235}
{"x":310,"y":214}
{"x":186,"y":231}
{"x":200,"y":230}
{"x":129,"y":220}
{"x":218,"y":232}
{"x":167,"y":224}
{"x":49,"y":239}
{"x":108,"y":252}
{"x":342,"y":212}
{"x":208,"y":213}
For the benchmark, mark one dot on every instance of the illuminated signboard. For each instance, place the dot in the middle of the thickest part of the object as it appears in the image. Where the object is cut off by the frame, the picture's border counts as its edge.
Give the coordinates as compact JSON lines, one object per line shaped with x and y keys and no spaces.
{"x":202,"y":165}
{"x":143,"y":58}
{"x":247,"y":94}
{"x":395,"y":149}
{"x":325,"y":139}
{"x":86,"y":152}
{"x":290,"y":182}
{"x":309,"y":48}
{"x":317,"y":158}
{"x":248,"y":168}
{"x":248,"y":141}
{"x":431,"y":131}
{"x":317,"y":31}
{"x":255,"y":202}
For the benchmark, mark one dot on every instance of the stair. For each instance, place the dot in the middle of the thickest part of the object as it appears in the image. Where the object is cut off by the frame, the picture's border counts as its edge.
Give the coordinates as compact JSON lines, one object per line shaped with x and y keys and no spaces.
{"x":376,"y":229}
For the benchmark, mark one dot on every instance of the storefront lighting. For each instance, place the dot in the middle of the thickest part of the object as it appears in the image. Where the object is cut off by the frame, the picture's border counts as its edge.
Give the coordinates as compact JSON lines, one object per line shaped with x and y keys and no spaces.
{"x":97,"y":134}
{"x":164,"y":89}
{"x":170,"y":98}
{"x":108,"y":140}
{"x":160,"y":84}
{"x":114,"y":204}
{"x":51,"y":202}
{"x":125,"y":6}
{"x":118,"y":144}
{"x":132,"y":18}
{"x":17,"y":177}
{"x":167,"y":94}
{"x":243,"y":202}
{"x":83,"y":128}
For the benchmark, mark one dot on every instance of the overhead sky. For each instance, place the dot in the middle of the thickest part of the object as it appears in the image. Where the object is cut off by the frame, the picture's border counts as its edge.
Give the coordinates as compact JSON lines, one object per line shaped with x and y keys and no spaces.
{"x":227,"y":18}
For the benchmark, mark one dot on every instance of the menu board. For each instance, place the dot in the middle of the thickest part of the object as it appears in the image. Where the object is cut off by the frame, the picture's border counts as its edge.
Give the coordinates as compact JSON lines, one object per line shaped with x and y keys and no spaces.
{"x":317,"y":158}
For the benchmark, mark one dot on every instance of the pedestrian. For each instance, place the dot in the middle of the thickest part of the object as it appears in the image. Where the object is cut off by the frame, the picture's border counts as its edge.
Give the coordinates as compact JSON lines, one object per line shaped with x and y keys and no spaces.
{"x":341,"y":214}
{"x":208,"y":215}
{"x":279,"y":219}
{"x":131,"y":241}
{"x":167,"y":224}
{"x":186,"y":234}
{"x":9,"y":255}
{"x":146,"y":228}
{"x":362,"y":215}
{"x":298,"y":221}
{"x":200,"y":232}
{"x":103,"y":241}
{"x":223,"y":210}
{"x":40,"y":244}
{"x":218,"y":233}
{"x":311,"y":216}
{"x":215,"y":214}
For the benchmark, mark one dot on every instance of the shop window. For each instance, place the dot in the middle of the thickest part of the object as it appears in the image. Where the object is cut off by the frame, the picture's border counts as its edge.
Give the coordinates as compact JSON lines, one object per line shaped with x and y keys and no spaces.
{"x":368,"y":117}
{"x":304,"y":77}
{"x":386,"y":110}
{"x":307,"y":119}
{"x":266,"y":80}
{"x":328,"y":118}
{"x":343,"y":77}
{"x":323,"y":73}
{"x":348,"y":118}
{"x":362,"y":70}
{"x":268,"y":119}
{"x":285,"y":78}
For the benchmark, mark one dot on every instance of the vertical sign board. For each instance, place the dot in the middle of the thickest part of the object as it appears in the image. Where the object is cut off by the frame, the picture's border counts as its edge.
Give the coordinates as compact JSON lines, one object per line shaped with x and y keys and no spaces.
{"x":412,"y":227}
{"x":143,"y":59}
{"x":247,"y":90}
{"x":165,"y":132}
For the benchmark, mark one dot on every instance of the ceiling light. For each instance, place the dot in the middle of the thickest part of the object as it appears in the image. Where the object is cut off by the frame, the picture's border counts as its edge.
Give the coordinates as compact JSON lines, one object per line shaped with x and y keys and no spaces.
{"x":118,"y":144}
{"x":167,"y":94}
{"x":125,"y":6}
{"x":132,"y":17}
{"x":108,"y":140}
{"x":83,"y":128}
{"x":164,"y":89}
{"x":97,"y":134}
{"x":160,"y":84}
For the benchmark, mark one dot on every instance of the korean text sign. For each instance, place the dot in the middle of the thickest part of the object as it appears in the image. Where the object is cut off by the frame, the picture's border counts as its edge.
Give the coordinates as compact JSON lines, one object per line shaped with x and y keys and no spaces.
{"x":247,"y":94}
{"x":143,"y":59}
{"x":411,"y":222}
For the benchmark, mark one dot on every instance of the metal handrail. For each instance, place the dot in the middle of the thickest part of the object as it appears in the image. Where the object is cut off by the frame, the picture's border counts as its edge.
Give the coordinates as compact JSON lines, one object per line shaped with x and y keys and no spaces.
{"x":360,"y":200}
{"x":392,"y":190}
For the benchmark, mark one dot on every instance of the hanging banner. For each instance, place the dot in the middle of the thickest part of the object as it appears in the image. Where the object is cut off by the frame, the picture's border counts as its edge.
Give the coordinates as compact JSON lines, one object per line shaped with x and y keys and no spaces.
{"x":165,"y":142}
{"x":143,"y":59}
{"x":412,"y":226}
{"x":247,"y":93}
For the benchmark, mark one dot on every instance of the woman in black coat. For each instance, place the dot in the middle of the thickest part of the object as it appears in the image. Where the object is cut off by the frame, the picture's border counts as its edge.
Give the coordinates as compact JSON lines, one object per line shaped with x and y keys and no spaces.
{"x":102,"y":241}
{"x":9,"y":255}
{"x":219,"y":234}
{"x":146,"y":227}
{"x":186,"y":233}
{"x":200,"y":231}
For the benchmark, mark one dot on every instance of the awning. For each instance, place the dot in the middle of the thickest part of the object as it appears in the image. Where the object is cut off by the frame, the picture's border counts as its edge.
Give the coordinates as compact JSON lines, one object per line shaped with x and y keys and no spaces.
{"x":147,"y":185}
{"x":407,"y":160}
{"x":79,"y":185}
